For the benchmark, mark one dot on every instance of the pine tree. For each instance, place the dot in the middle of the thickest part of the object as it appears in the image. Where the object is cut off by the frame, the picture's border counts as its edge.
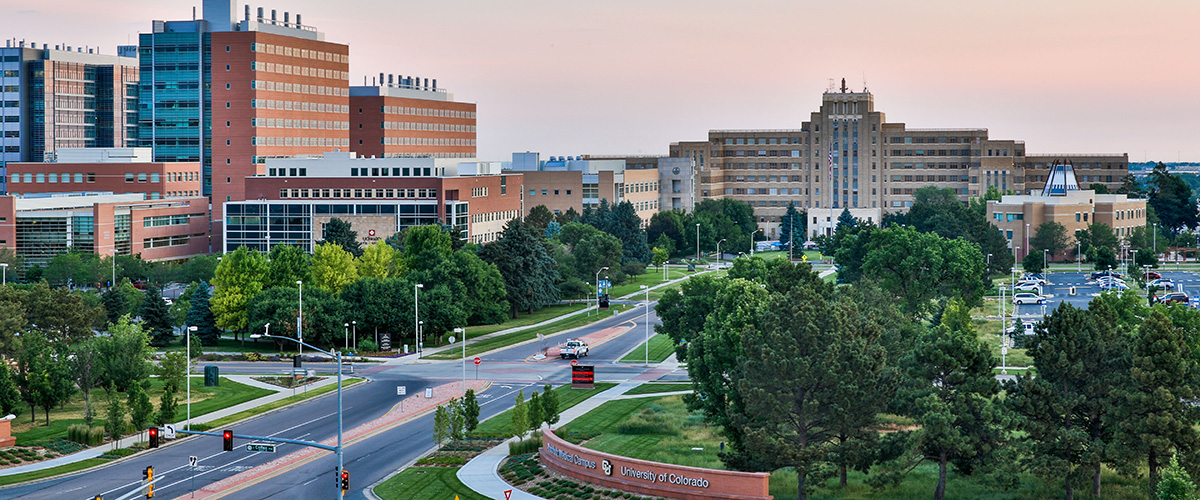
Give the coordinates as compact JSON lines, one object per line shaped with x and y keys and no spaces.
{"x":524,"y":261}
{"x":156,"y":318}
{"x":1155,"y":415}
{"x":1176,"y":484}
{"x":793,"y":222}
{"x":200,"y":315}
{"x":338,"y":232}
{"x":167,"y":406}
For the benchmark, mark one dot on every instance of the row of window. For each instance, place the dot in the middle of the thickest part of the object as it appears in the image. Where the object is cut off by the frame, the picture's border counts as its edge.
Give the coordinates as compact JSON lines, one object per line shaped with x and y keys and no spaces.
{"x":501,"y":216}
{"x":435,"y":127}
{"x":359,"y":193}
{"x":533,"y":192}
{"x":424,"y":141}
{"x":479,"y":192}
{"x":168,"y":220}
{"x":169,"y":241}
{"x":442,"y":113}
{"x":41,"y":177}
{"x":296,"y":88}
{"x":283,"y":50}
{"x":645,"y":205}
{"x":397,"y":172}
{"x":301,"y":124}
{"x":934,"y":178}
{"x":931,"y":152}
{"x":919,"y":165}
{"x":288,"y":69}
{"x":318,"y":107}
{"x":298,"y":141}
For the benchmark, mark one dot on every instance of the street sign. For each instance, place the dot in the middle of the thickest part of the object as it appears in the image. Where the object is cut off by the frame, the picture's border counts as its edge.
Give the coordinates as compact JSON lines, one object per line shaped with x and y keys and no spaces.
{"x":507,"y":494}
{"x":401,"y":390}
{"x":477,"y":360}
{"x":169,"y":431}
{"x":451,"y":339}
{"x":192,"y":460}
{"x":385,"y":342}
{"x":574,"y":362}
{"x":429,"y":392}
{"x":264,"y":448}
{"x":1004,"y":350}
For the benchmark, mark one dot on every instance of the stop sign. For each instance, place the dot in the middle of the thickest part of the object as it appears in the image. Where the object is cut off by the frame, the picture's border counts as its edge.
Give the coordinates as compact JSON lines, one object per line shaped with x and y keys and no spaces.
{"x":574,"y":362}
{"x":477,"y":361}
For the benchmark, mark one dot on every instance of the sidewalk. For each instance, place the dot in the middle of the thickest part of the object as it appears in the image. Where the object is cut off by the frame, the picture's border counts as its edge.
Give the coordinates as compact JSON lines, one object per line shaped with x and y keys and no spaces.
{"x":480,"y":474}
{"x":96,"y":451}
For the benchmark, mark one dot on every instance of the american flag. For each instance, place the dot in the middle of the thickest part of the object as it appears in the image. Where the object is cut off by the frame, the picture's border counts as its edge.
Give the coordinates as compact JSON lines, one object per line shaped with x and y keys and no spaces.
{"x":830,"y":163}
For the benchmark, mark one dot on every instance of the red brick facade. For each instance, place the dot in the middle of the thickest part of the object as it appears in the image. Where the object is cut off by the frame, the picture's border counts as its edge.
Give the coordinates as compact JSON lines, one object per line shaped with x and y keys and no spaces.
{"x":155,"y":180}
{"x":382,"y":126}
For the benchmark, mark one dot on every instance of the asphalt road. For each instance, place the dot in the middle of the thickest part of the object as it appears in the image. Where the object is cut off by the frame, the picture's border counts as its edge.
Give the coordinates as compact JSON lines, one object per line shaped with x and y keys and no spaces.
{"x":368,"y":461}
{"x":1058,"y":291}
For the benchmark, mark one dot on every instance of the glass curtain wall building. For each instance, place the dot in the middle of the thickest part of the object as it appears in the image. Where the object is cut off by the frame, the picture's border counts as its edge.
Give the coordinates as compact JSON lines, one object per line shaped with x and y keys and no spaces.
{"x":175,"y":106}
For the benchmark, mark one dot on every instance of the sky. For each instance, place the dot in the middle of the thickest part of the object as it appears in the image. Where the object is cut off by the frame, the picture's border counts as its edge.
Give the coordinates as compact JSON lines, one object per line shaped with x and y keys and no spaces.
{"x":571,"y":77}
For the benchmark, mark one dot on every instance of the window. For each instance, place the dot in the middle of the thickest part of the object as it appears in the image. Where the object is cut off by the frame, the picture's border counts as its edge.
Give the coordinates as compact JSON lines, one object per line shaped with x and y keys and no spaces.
{"x":128,"y":176}
{"x":154,"y":177}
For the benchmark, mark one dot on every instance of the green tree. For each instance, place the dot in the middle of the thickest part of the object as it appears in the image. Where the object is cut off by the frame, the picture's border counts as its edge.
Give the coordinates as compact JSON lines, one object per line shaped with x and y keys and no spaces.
{"x":1095,"y":236}
{"x":1176,"y":484}
{"x":378,"y":261}
{"x":1105,"y":258}
{"x":953,"y":402}
{"x":937,"y":210}
{"x":86,"y":367}
{"x":1172,"y":200}
{"x":333,"y":267}
{"x":167,"y":407}
{"x":539,"y":217}
{"x":114,"y":416}
{"x":156,"y":318}
{"x":668,"y":224}
{"x":520,"y":415}
{"x":627,"y":227}
{"x":457,"y":420}
{"x":38,"y":373}
{"x":534,"y":410}
{"x":1154,"y":412}
{"x":441,"y":425}
{"x":425,"y":247}
{"x":569,"y":216}
{"x":200,"y":315}
{"x":141,"y":410}
{"x":550,"y":412}
{"x":524,"y":261}
{"x":919,"y":267}
{"x":323,"y":314}
{"x":660,"y":256}
{"x":470,"y":410}
{"x":338,"y":232}
{"x":124,"y":355}
{"x":381,"y":305}
{"x":683,"y":311}
{"x":793,"y":223}
{"x":116,"y":304}
{"x":13,"y":318}
{"x":476,"y":285}
{"x":10,"y":395}
{"x":61,"y":315}
{"x":239,"y":277}
{"x":1050,"y":236}
{"x":287,"y":264}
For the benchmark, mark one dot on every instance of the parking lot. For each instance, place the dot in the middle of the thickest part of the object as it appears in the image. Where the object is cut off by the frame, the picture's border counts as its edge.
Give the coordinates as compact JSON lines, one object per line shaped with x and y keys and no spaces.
{"x":1059,"y":288}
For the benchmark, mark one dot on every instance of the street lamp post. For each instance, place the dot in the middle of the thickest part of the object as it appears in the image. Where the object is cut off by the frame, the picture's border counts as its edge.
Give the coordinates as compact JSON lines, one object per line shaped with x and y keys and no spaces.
{"x":647,"y":306}
{"x":188,"y":378}
{"x":347,"y":335}
{"x":1045,"y":261}
{"x":354,"y":335}
{"x":337,"y":356}
{"x":605,"y":268}
{"x":4,"y":265}
{"x":416,"y":321}
{"x":754,"y":243}
{"x":719,"y":253}
{"x":463,"y":331}
{"x":587,"y":301}
{"x":697,"y":242}
{"x":114,"y":267}
{"x":300,"y":319}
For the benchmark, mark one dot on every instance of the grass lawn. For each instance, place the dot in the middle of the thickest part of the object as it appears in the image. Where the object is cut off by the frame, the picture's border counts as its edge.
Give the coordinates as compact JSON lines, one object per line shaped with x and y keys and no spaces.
{"x":505,"y":340}
{"x":567,"y":398}
{"x":426,"y":482}
{"x":651,"y":277}
{"x":53,"y":471}
{"x":204,"y":400}
{"x":524,"y":319}
{"x":661,"y":429}
{"x":258,"y":410}
{"x":229,"y":344}
{"x":661,"y":348}
{"x":657,"y":388}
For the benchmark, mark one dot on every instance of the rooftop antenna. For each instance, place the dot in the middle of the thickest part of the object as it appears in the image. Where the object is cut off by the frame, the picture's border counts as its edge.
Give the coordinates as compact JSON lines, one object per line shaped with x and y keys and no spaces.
{"x":865,"y":91}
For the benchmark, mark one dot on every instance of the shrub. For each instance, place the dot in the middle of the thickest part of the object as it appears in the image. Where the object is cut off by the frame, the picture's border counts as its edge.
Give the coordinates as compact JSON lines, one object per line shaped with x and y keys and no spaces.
{"x":254,"y":356}
{"x":368,"y":346}
{"x":529,"y":445}
{"x":633,"y":268}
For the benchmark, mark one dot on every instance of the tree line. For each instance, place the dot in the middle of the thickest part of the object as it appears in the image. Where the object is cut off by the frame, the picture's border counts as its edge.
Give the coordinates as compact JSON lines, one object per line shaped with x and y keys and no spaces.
{"x":801,"y":373}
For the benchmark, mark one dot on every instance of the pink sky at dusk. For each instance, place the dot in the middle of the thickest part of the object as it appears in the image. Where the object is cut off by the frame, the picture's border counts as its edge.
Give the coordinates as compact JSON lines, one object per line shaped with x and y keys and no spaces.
{"x":570,"y":77}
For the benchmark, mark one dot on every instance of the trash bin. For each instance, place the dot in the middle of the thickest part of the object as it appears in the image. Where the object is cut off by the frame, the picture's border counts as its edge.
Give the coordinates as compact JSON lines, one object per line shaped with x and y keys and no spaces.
{"x":212,"y":376}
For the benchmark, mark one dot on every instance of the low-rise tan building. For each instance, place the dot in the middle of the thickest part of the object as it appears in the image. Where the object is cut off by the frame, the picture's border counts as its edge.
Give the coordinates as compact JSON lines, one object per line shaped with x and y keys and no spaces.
{"x":565,"y":182}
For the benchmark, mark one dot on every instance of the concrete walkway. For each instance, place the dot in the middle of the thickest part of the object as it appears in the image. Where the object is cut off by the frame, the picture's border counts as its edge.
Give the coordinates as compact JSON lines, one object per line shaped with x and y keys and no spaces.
{"x":96,"y":451}
{"x":481,"y":473}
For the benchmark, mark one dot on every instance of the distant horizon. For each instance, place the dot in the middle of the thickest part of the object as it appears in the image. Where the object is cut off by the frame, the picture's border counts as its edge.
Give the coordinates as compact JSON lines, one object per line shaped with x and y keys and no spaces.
{"x":629,"y":78}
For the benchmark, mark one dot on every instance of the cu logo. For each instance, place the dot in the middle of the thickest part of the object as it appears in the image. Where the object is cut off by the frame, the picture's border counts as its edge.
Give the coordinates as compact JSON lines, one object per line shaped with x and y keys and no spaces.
{"x":607,"y":466}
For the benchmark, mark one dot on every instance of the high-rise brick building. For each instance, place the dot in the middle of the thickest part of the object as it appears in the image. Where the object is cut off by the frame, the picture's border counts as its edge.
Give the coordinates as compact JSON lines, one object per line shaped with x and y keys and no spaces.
{"x":849,"y":156}
{"x":409,"y":117}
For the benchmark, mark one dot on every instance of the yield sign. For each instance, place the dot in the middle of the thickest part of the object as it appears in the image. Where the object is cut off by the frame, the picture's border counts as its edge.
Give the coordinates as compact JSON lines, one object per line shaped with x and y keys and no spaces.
{"x":507,"y":494}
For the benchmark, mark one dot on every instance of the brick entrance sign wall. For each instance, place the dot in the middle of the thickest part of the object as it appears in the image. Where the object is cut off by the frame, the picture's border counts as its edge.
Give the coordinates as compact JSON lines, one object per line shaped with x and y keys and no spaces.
{"x":651,"y":478}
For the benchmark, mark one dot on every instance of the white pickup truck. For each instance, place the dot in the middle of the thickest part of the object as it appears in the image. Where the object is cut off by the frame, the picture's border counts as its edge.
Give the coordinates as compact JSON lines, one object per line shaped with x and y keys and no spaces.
{"x":575,"y":348}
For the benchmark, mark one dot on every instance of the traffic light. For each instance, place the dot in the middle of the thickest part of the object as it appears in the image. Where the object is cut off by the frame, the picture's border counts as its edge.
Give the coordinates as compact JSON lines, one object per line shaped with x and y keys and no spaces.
{"x":153,"y":437}
{"x":345,"y":480}
{"x":228,"y":436}
{"x":148,"y":476}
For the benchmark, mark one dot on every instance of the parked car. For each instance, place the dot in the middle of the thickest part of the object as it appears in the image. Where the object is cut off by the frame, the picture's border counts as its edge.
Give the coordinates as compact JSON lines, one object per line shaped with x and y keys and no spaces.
{"x":1153,"y":275}
{"x":1028,"y":298}
{"x":1100,"y":274}
{"x":1163,"y":284}
{"x":1172,"y":297}
{"x":1027,"y":286}
{"x":1035,"y":278}
{"x":1114,"y":285}
{"x":1109,"y":281}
